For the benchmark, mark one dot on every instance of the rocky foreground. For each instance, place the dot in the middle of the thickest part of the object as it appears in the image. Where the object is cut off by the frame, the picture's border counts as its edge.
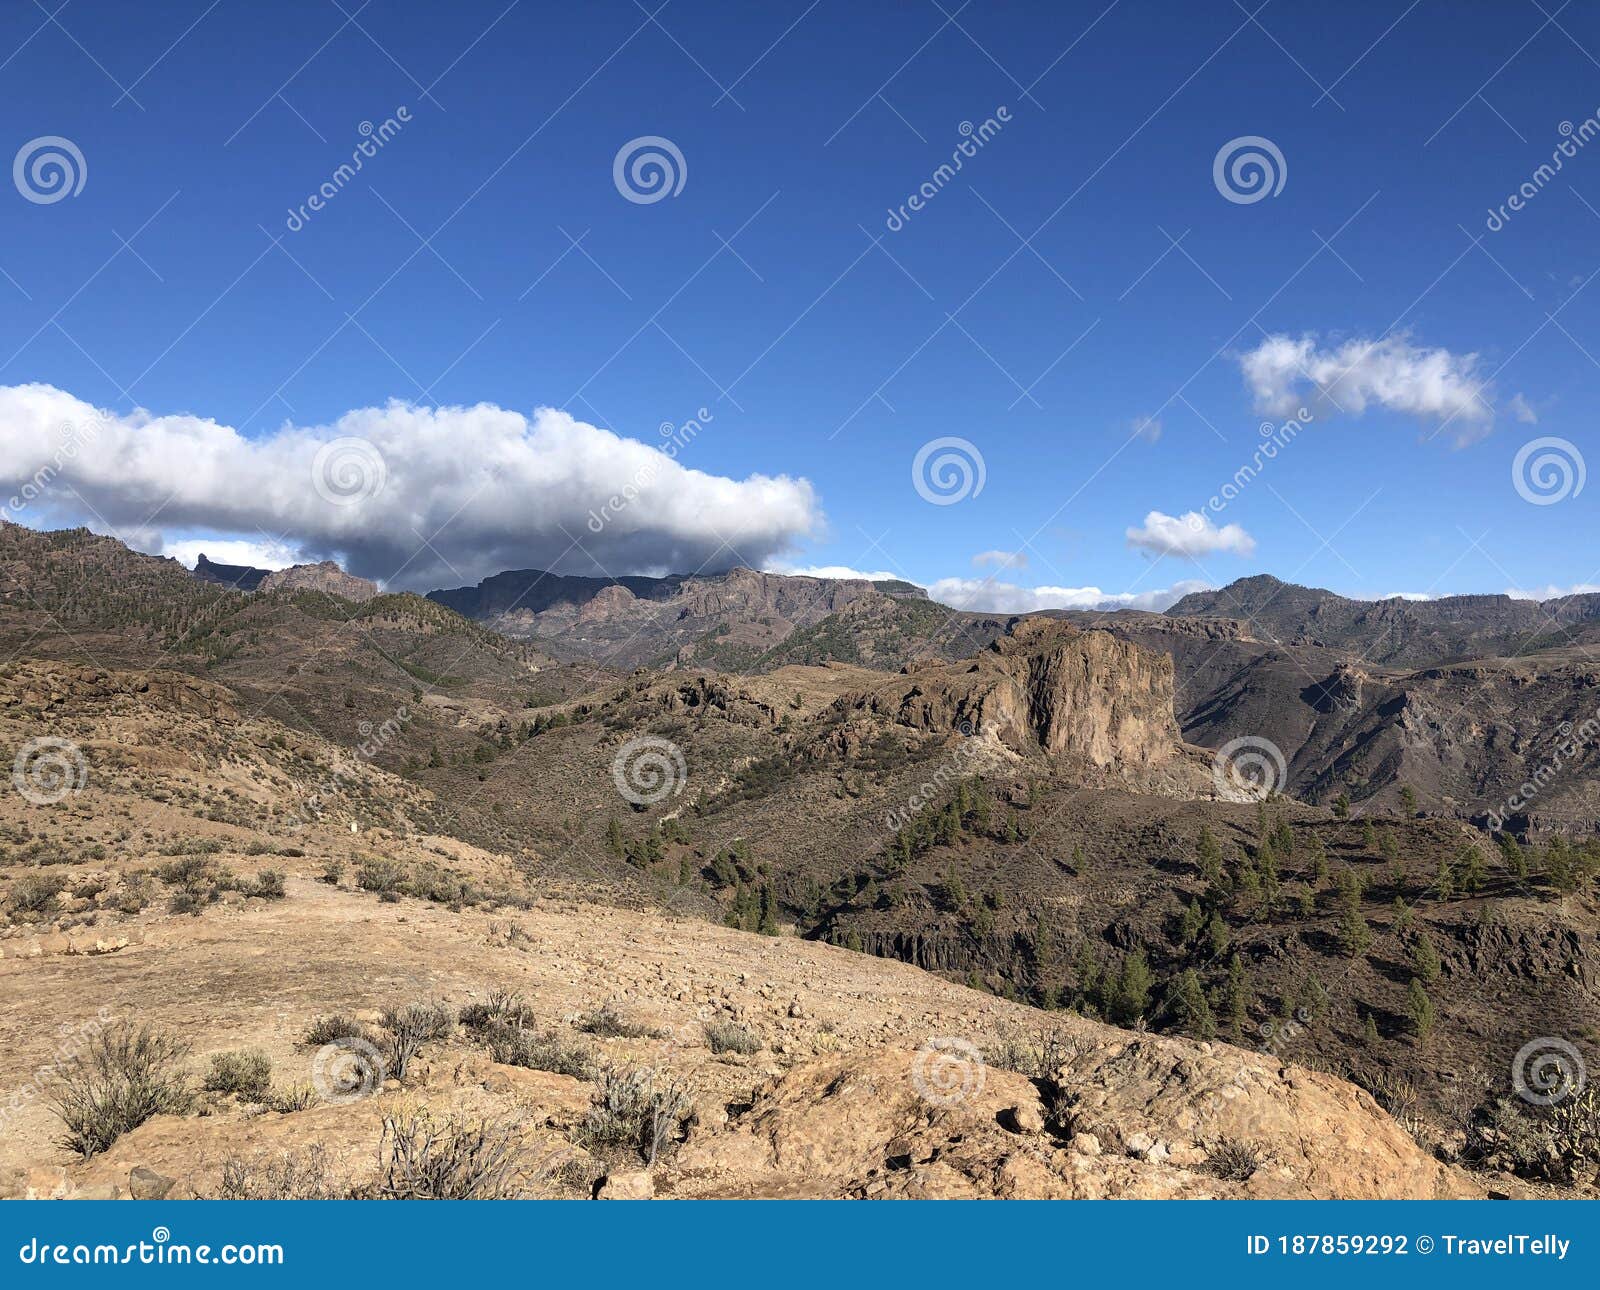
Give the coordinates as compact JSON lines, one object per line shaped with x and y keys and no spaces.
{"x":872,"y":1079}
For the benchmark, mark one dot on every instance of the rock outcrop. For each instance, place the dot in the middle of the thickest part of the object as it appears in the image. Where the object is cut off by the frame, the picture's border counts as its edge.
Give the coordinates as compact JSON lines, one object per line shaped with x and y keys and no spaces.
{"x":326,"y":577}
{"x":1045,"y":686}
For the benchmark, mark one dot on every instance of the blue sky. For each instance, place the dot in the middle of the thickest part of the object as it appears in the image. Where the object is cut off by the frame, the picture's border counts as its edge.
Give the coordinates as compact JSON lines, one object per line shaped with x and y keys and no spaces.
{"x":1036,"y":307}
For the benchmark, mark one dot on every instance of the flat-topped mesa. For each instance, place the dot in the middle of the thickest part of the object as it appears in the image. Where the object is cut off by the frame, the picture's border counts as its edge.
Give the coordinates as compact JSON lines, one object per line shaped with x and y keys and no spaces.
{"x":1047,"y":687}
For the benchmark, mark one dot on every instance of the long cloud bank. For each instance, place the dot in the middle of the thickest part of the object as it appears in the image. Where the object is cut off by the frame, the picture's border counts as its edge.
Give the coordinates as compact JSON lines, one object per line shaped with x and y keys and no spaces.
{"x":416,"y":497}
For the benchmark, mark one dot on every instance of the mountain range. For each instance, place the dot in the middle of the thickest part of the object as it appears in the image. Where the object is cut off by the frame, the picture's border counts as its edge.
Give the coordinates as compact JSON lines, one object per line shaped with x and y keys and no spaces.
{"x":1049,"y":810}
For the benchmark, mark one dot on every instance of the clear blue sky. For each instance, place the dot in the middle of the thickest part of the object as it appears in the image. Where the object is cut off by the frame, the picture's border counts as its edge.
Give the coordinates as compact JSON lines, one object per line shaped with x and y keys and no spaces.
{"x":819,"y":354}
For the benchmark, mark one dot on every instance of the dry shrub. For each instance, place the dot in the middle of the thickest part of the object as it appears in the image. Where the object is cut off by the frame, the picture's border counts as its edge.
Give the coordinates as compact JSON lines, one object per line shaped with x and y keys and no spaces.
{"x":121,"y":1078}
{"x":283,"y":1175}
{"x":637,"y":1108}
{"x":731,"y":1037}
{"x":412,"y":1026}
{"x":424,"y":1158}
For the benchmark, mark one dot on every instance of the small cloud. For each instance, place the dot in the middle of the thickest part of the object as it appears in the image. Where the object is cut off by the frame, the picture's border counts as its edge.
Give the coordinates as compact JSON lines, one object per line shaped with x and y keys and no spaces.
{"x":1146,"y":428}
{"x":1284,"y":374}
{"x":1189,"y":536}
{"x":980,"y":595}
{"x":1409,"y":595}
{"x":1000,"y":560}
{"x":1520,"y":408}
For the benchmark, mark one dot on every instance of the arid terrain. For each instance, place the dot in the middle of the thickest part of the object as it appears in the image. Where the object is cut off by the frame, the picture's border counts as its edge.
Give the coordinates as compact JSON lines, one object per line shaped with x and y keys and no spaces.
{"x":751,"y":885}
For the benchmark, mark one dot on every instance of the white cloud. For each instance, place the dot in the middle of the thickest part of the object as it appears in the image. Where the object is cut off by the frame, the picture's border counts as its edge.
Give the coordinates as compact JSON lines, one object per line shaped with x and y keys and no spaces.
{"x":1000,"y":560}
{"x":1551,"y":592}
{"x":486,"y":487}
{"x":1520,"y":408}
{"x":1391,"y":373}
{"x":1146,"y":428}
{"x":830,"y":571}
{"x":984,"y":596}
{"x":265,"y":554}
{"x":1189,"y":536}
{"x":1407,"y":595}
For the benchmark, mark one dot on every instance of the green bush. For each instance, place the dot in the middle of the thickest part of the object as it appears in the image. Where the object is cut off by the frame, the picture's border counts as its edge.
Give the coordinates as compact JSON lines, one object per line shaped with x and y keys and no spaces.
{"x":246,"y":1072}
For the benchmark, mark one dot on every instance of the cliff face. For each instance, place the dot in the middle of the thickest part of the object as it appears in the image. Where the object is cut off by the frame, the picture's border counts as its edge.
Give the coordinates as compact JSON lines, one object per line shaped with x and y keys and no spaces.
{"x":327,"y":577}
{"x":241,"y":577}
{"x":1045,"y":687}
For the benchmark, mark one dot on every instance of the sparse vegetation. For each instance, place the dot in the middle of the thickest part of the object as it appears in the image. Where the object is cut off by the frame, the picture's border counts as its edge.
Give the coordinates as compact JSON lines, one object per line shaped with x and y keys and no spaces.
{"x":729,"y":1037}
{"x":422,"y":1157}
{"x":637,"y":1108}
{"x":122,"y":1077}
{"x":246,"y":1073}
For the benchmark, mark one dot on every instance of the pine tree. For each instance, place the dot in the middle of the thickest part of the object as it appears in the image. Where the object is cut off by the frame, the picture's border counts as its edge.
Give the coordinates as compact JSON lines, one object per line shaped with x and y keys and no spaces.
{"x":1444,"y":882}
{"x":1341,"y":806}
{"x":1190,"y":1006}
{"x":1133,"y":985}
{"x":1236,"y":997}
{"x":1190,"y":922}
{"x":1369,"y":1031}
{"x":1425,"y":959}
{"x":1420,"y":1009}
{"x":1474,"y":869}
{"x":1408,"y":800}
{"x":614,"y":842}
{"x":1354,"y":935}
